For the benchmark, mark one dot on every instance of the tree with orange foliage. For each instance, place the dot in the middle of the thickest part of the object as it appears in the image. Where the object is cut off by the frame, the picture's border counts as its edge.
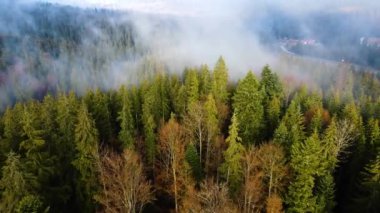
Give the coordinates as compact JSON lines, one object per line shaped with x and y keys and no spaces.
{"x":171,"y":158}
{"x":274,"y":204}
{"x":125,"y":188}
{"x":265,"y":174}
{"x":253,"y":188}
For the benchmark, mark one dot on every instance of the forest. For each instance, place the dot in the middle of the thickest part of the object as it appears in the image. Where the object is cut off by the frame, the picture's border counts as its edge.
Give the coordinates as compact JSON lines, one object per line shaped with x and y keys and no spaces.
{"x":90,"y":121}
{"x":196,"y":142}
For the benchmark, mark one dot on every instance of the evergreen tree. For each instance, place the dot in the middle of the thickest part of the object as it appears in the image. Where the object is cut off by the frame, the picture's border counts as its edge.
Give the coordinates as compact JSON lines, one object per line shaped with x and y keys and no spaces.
{"x":66,"y":117}
{"x":373,"y":136}
{"x":305,"y":162}
{"x":232,"y":168}
{"x":219,"y":81}
{"x":136,"y":111}
{"x":191,"y":87}
{"x":212,"y":128}
{"x":270,"y":84}
{"x":325,"y":192}
{"x":66,"y":106}
{"x":192,"y":159}
{"x":160,"y":95}
{"x":149,"y":127}
{"x":204,"y":81}
{"x":97,"y":104}
{"x":271,"y":87}
{"x":127,"y":132}
{"x":272,"y":115}
{"x":14,"y":184}
{"x":370,"y":187}
{"x":13,"y":126}
{"x":291,"y":128}
{"x":31,"y":204}
{"x":178,"y":96}
{"x":87,"y":158}
{"x":247,"y":104}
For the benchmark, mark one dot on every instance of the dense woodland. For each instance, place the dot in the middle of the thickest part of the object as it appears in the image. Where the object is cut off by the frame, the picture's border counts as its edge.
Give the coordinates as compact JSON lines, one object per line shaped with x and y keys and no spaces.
{"x":196,"y":142}
{"x":302,"y":138}
{"x":46,"y":47}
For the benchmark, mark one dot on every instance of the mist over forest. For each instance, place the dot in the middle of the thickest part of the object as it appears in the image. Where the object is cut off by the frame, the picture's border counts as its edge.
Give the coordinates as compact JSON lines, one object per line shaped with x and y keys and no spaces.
{"x":189,"y":106}
{"x":49,"y":46}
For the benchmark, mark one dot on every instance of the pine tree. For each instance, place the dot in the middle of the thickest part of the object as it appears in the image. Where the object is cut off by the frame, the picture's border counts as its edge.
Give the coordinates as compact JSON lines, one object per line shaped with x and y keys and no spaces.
{"x":219,"y":81}
{"x":272,"y":115}
{"x":66,"y":106}
{"x":87,"y":157}
{"x":34,"y":141}
{"x":160,"y":94}
{"x":66,"y":116}
{"x":291,"y":128}
{"x":48,"y":113}
{"x":204,"y":81}
{"x":305,"y":162}
{"x":232,"y":168}
{"x":192,"y":159}
{"x":247,"y":104}
{"x":97,"y":104}
{"x":178,"y":96}
{"x":31,"y":204}
{"x":212,"y":128}
{"x":136,"y":111}
{"x":13,"y":126}
{"x":39,"y":155}
{"x":325,"y":193}
{"x":270,"y":84}
{"x":127,"y":132}
{"x":13,"y":184}
{"x":369,"y":196}
{"x":281,"y":135}
{"x":149,"y":127}
{"x":373,"y":135}
{"x":191,"y":87}
{"x":271,"y":87}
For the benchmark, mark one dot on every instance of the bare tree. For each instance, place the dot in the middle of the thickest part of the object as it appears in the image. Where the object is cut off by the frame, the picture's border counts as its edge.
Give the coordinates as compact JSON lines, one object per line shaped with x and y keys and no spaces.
{"x":214,"y":198}
{"x":171,"y":155}
{"x":339,"y":136}
{"x":253,"y":187}
{"x":125,"y":188}
{"x":272,"y":163}
{"x":195,"y":125}
{"x":265,"y":176}
{"x":345,"y":136}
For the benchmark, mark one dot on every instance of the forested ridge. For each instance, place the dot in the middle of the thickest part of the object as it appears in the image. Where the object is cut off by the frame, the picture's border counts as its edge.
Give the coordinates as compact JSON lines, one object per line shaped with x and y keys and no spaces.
{"x":196,"y":142}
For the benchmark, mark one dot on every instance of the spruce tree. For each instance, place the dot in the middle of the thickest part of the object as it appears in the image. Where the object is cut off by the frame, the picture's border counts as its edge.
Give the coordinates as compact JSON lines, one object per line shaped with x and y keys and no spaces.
{"x":369,"y":190}
{"x":13,"y":183}
{"x":211,"y":126}
{"x":204,"y":81}
{"x":305,"y":162}
{"x":272,"y":90}
{"x":127,"y":132}
{"x":191,"y":87}
{"x":192,"y":159}
{"x":232,"y":168}
{"x":219,"y":81}
{"x":247,"y":104}
{"x":87,"y":158}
